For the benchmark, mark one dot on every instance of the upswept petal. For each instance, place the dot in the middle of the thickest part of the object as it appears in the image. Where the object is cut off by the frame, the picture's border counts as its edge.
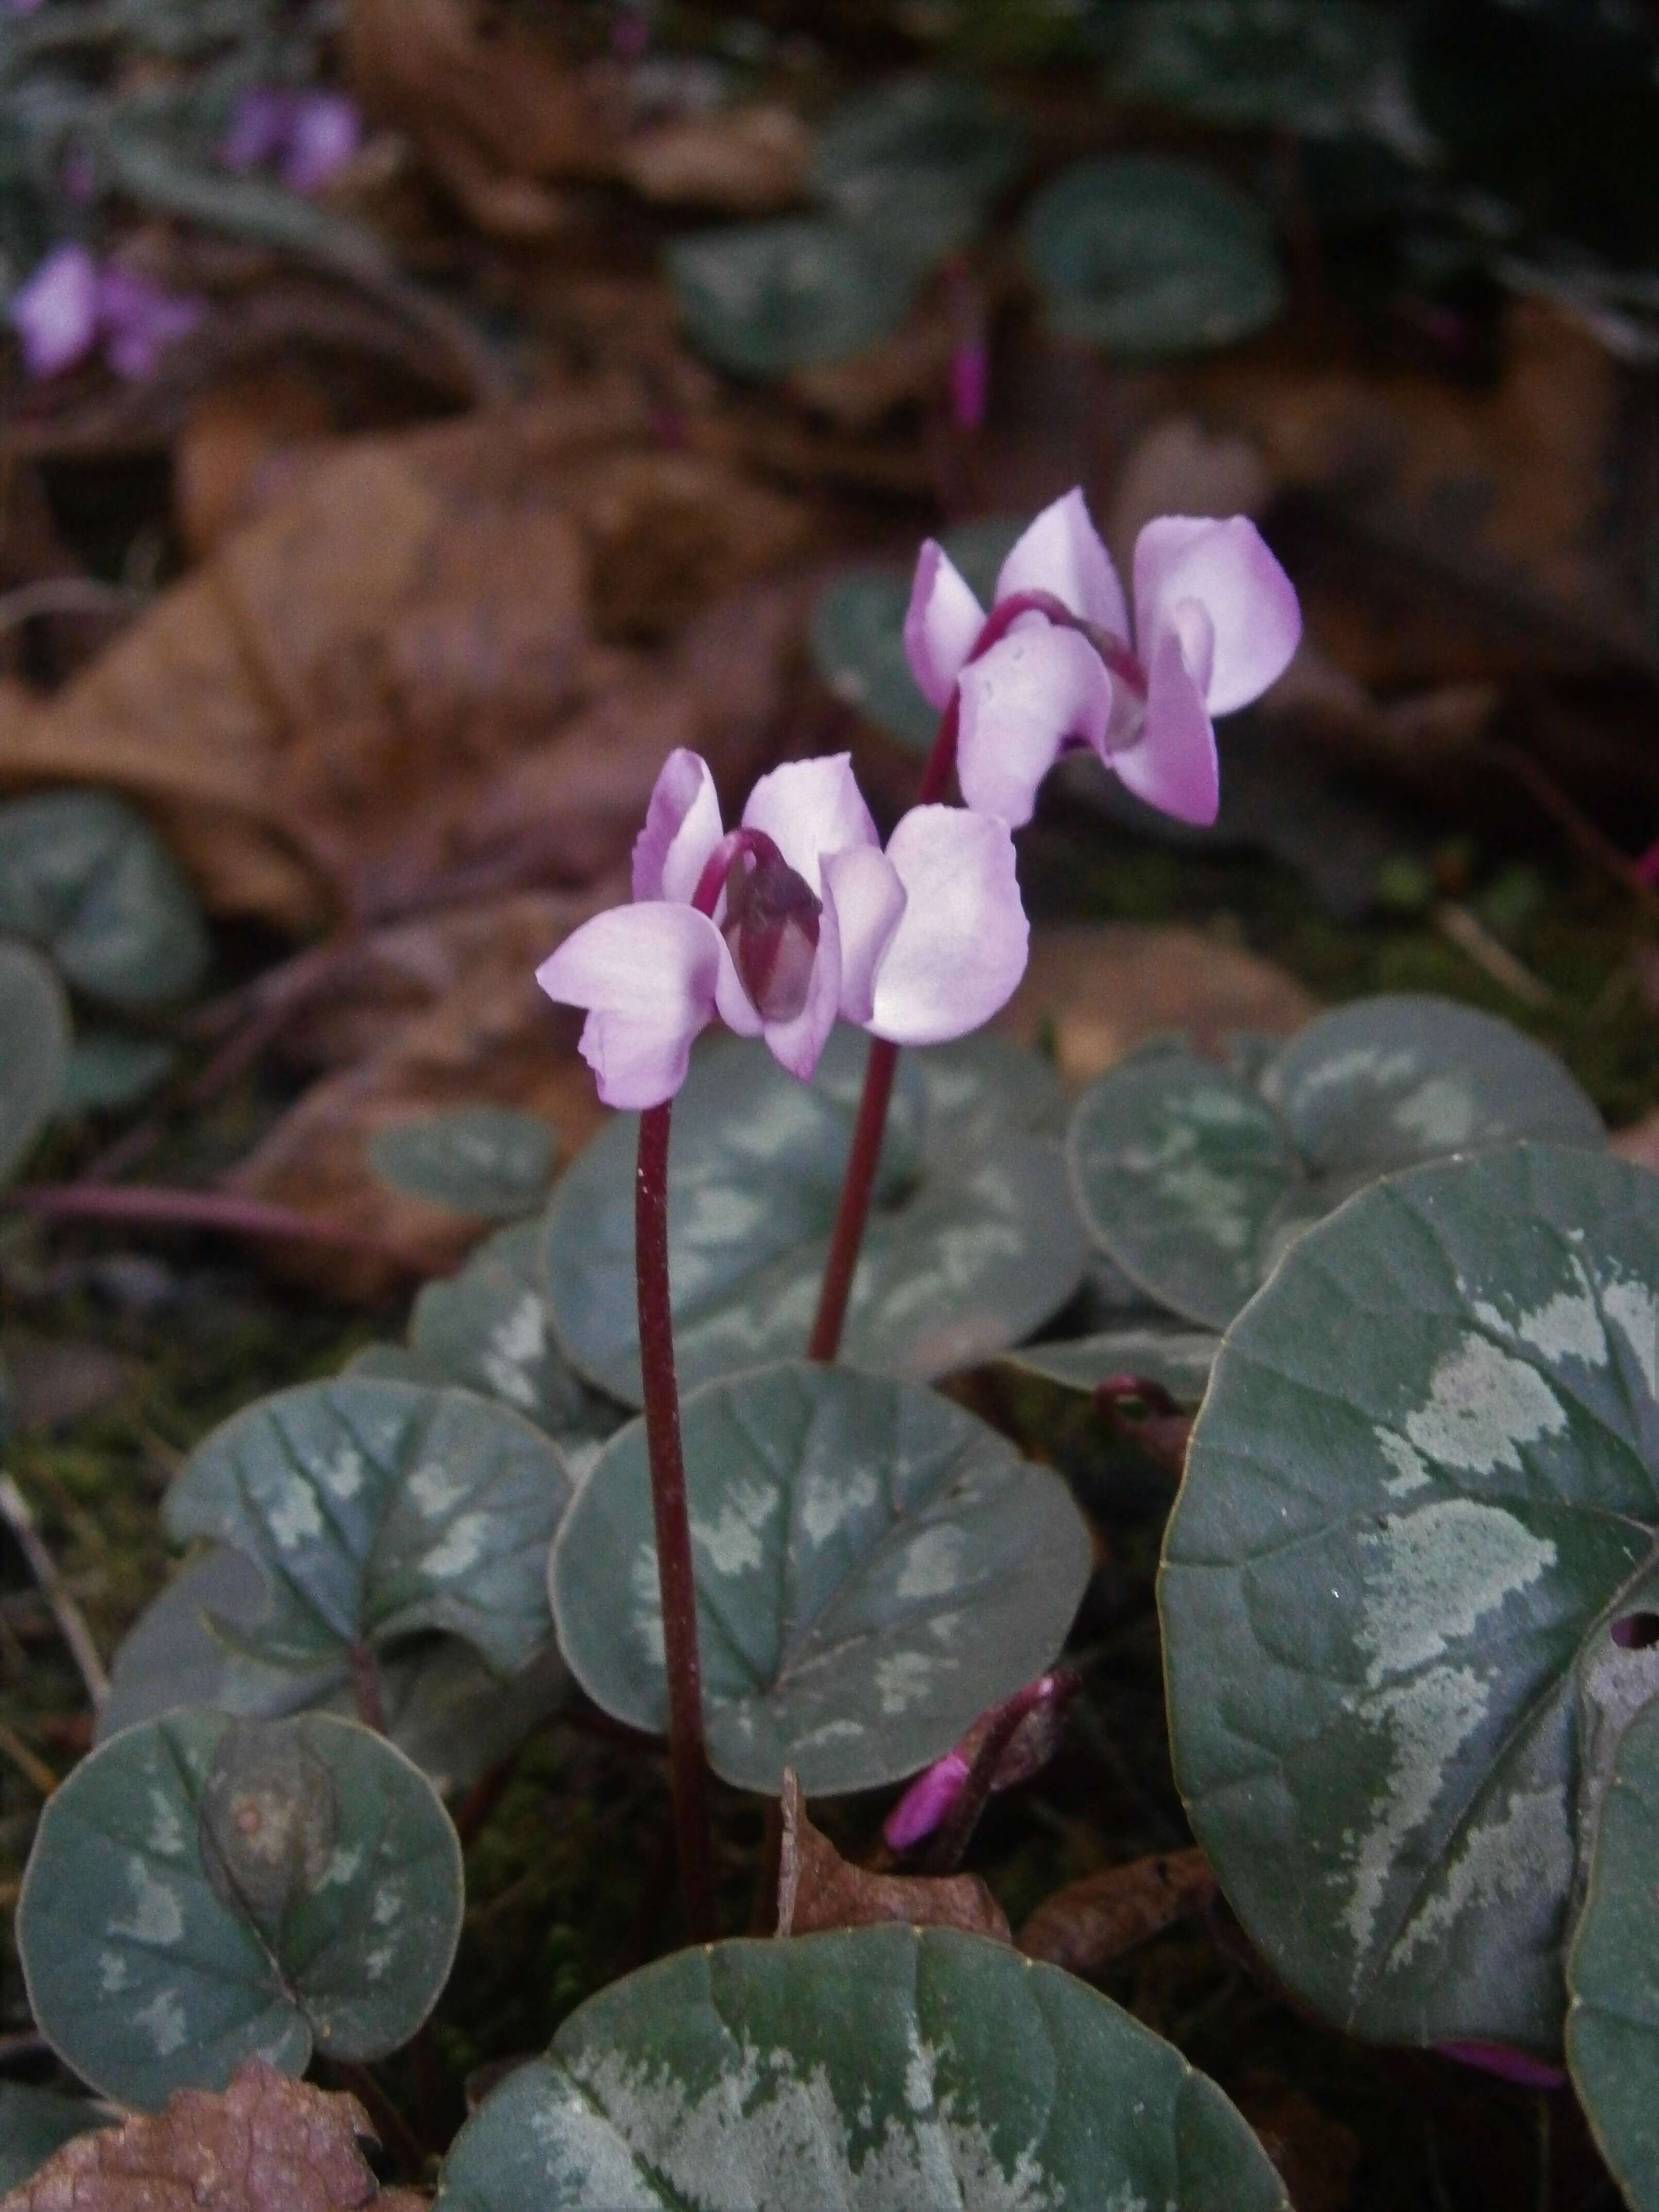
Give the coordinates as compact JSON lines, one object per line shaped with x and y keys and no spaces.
{"x":809,"y":808}
{"x":1061,"y":552}
{"x":1021,"y":702}
{"x":648,"y":976}
{"x":1172,"y":764}
{"x":942,"y":624}
{"x":1249,"y":599}
{"x":682,"y":828}
{"x":796,"y":1044}
{"x":863,"y":888}
{"x":960,"y":947}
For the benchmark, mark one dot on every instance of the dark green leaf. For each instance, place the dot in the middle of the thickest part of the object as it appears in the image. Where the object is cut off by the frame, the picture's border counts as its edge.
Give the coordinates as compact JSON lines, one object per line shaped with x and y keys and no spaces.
{"x":480,"y":1159}
{"x":1177,"y":1359}
{"x":915,"y":160}
{"x":83,"y":876}
{"x":108,"y":1071}
{"x":764,"y":298}
{"x":444,"y":1708}
{"x":35,"y":2123}
{"x":373,"y":1510}
{"x":875,"y":1567}
{"x":973,"y":1241}
{"x":1612,"y":2029}
{"x":895,"y":2069}
{"x":204,"y":1891}
{"x":1146,"y":256}
{"x":1323,"y":67}
{"x":1421,"y":1486}
{"x":1194,"y":1176}
{"x":34,"y":1021}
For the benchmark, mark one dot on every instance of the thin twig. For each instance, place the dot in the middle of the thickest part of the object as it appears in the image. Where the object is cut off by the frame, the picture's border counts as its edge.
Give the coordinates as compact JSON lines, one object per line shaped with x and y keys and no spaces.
{"x":1471,"y":937}
{"x":28,"y":1762}
{"x":71,"y":1621}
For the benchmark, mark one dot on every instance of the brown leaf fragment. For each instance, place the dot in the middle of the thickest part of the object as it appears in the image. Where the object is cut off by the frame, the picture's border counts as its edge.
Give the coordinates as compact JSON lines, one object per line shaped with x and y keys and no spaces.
{"x":1317,"y":2158}
{"x":266,"y":2144}
{"x":744,"y":161}
{"x":818,"y":1889}
{"x":1089,"y":1923}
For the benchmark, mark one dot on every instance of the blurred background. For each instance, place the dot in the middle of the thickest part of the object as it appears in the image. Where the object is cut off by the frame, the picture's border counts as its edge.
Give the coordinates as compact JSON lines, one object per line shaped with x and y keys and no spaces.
{"x":419,"y":416}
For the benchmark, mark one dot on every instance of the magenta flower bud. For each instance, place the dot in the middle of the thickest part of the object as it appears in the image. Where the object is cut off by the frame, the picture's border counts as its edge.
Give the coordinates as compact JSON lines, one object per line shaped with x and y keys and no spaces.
{"x":927,"y":1803}
{"x":970,"y":384}
{"x":771,"y":930}
{"x":1509,"y":2065}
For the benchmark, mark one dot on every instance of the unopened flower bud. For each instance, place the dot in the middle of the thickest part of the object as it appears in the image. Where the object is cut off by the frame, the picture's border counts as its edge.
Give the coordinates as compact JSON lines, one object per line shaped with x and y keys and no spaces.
{"x":771,"y":930}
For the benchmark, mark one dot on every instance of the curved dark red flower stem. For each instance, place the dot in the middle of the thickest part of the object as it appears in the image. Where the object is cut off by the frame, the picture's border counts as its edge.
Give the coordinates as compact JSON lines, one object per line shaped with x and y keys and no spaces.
{"x":688,"y":1762}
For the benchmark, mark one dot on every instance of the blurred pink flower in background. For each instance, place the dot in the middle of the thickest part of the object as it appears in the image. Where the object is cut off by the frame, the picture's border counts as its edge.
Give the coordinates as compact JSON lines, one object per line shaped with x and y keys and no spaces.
{"x":782,"y":925}
{"x":72,"y":304}
{"x":307,"y":136}
{"x":1054,"y":666}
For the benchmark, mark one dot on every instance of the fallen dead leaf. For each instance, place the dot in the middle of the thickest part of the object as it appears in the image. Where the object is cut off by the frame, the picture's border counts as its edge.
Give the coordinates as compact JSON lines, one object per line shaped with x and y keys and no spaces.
{"x":1089,"y":1923}
{"x":1317,"y":2158}
{"x":1099,"y":990}
{"x":233,"y":445}
{"x":818,"y":1889}
{"x":267,"y":2144}
{"x":744,"y":161}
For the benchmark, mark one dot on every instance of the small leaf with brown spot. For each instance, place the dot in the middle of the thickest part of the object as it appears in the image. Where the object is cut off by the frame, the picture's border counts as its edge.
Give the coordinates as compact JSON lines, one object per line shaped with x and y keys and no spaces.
{"x":818,"y":1889}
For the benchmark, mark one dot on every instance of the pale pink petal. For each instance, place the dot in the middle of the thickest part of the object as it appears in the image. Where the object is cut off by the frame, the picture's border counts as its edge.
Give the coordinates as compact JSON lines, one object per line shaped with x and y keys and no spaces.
{"x":1036,"y":688}
{"x":731,"y":1002}
{"x":796,"y":1044}
{"x":941,"y":625}
{"x":55,"y":313}
{"x":1062,"y":553}
{"x":1249,"y":599}
{"x":925,"y":1803}
{"x":863,"y":887}
{"x":325,"y":133}
{"x":1172,"y":764}
{"x":647,"y":975}
{"x":809,"y":808}
{"x":682,"y":829}
{"x":140,"y":321}
{"x":960,"y":947}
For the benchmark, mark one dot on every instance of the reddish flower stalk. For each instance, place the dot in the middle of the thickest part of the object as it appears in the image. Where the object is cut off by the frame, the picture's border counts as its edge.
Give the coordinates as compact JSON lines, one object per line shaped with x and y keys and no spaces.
{"x":687,"y":1758}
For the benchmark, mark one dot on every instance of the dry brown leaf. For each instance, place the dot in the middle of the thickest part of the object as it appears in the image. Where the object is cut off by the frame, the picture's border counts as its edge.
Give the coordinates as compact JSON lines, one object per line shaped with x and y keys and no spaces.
{"x":744,"y":161}
{"x":233,"y":444}
{"x":1101,"y":990}
{"x":1089,"y":1923}
{"x":267,"y":2144}
{"x":1317,"y":2158}
{"x":818,"y":1889}
{"x":1178,"y":468}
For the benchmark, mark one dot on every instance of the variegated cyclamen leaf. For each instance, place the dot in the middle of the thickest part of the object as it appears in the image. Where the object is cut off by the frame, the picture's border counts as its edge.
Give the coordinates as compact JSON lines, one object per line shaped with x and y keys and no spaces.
{"x":373,"y":1510}
{"x":1323,"y":68}
{"x":1422,"y":1486}
{"x":875,"y":1567}
{"x":443,"y":1707}
{"x":492,"y":1160}
{"x":761,"y":299}
{"x":204,"y":1890}
{"x":34,"y":1020}
{"x":1176,"y":1360}
{"x":1613,"y":1970}
{"x":888,"y":2070}
{"x":973,"y":1241}
{"x":1194,"y":1175}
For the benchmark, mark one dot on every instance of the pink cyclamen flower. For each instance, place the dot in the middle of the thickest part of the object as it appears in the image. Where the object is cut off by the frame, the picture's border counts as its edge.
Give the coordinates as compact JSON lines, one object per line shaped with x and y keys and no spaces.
{"x":1055,"y":666}
{"x":783,"y":924}
{"x":139,"y":321}
{"x":308,"y":136}
{"x":55,"y":312}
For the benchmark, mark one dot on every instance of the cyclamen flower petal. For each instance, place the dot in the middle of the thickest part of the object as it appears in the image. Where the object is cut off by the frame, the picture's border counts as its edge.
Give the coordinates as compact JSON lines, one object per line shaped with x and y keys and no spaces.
{"x":325,"y":132}
{"x":808,"y":809}
{"x":258,"y":128}
{"x":941,"y":625}
{"x":140,"y":322}
{"x":1062,"y":553}
{"x":1173,"y":767}
{"x":648,"y":976}
{"x":863,"y":889}
{"x":1035,"y":690}
{"x":682,"y":828}
{"x":1249,"y":600}
{"x":55,"y":313}
{"x":961,"y":945}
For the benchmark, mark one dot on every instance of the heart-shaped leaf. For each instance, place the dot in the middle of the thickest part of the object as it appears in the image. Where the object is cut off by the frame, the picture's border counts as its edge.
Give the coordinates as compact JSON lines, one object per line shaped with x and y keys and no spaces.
{"x":1177,"y":1359}
{"x":444,"y":1708}
{"x":874,"y":1568}
{"x":34,"y":1020}
{"x":1421,"y":1487}
{"x":972,"y":1243}
{"x":858,"y":631}
{"x":915,"y":160}
{"x":764,"y":298}
{"x":83,"y":876}
{"x":204,"y":1890}
{"x":374,"y":1510}
{"x":1194,"y":1176}
{"x":884,"y":2068}
{"x":1323,"y":67}
{"x":1612,"y":2029}
{"x":35,"y":2123}
{"x":492,"y":1160}
{"x":1146,"y":256}
{"x":108,"y":1072}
